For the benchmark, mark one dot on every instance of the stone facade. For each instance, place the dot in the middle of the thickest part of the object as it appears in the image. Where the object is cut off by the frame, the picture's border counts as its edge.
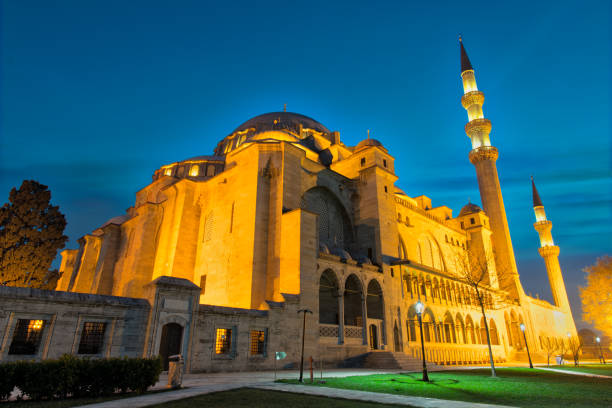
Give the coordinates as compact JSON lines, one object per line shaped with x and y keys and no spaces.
{"x":226,"y":249}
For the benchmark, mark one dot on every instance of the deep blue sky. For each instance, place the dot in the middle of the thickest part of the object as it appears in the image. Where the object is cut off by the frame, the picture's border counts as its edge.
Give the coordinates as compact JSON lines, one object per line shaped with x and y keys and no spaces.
{"x":95,"y":95}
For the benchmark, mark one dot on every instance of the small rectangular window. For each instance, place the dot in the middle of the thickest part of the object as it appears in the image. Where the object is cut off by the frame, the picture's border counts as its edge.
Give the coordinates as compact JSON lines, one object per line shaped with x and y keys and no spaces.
{"x":92,"y":338}
{"x":27,"y":336}
{"x":223,"y":341}
{"x":385,"y":189}
{"x":362,"y":161}
{"x":384,"y":162}
{"x":258,"y":342}
{"x":462,"y":225}
{"x":472,"y":221}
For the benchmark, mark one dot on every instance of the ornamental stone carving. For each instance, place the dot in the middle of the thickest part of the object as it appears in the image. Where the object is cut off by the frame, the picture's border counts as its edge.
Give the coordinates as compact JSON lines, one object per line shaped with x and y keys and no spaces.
{"x":483,"y":153}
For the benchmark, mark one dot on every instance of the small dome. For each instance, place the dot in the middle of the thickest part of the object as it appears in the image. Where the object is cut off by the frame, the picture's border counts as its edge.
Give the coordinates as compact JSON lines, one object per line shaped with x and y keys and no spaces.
{"x":367,"y":142}
{"x":469,"y":208}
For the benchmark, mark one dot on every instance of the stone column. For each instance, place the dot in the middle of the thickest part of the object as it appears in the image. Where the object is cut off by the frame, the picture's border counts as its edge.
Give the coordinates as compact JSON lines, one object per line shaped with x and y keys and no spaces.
{"x":364,"y":313}
{"x":340,"y":317}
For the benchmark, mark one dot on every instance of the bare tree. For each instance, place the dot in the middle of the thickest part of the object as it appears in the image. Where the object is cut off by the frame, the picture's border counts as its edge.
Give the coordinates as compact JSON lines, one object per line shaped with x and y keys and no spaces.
{"x":563,"y":348}
{"x":473,"y":269}
{"x":575,"y":347}
{"x":549,"y":346}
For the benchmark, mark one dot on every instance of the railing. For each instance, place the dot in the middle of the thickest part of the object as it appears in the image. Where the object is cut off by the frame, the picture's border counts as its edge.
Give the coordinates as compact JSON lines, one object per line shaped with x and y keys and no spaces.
{"x":328,"y":330}
{"x":353,"y":331}
{"x":421,"y":211}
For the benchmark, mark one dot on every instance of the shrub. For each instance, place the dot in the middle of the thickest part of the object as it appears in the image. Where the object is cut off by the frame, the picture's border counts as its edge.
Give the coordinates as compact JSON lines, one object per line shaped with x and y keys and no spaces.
{"x":71,"y":376}
{"x":7,"y":380}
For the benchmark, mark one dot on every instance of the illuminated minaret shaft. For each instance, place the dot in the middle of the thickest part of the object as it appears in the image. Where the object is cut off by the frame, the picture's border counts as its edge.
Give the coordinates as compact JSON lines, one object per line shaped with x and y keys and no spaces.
{"x":483,"y":157}
{"x":550,"y":252}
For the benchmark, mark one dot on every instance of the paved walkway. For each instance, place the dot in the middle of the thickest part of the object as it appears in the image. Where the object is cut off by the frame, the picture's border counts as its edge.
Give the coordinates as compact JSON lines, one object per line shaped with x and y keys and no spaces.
{"x":374,"y":396}
{"x":198,"y":384}
{"x":558,"y":370}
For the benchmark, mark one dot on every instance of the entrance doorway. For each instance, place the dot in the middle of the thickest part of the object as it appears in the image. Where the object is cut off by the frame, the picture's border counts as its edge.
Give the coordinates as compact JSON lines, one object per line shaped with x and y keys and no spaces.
{"x":170,"y":344}
{"x":373,"y":337}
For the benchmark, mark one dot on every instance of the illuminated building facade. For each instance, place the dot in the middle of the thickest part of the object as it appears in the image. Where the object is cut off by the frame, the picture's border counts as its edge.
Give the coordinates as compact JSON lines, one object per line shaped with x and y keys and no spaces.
{"x":285,"y":216}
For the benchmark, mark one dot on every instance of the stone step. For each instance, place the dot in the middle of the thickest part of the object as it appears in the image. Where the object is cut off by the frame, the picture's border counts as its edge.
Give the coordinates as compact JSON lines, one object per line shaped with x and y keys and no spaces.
{"x":393,"y":360}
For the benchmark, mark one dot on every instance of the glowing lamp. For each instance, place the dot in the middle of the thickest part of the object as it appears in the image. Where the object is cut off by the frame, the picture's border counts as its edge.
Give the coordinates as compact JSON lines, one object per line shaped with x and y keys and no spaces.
{"x":419,"y":307}
{"x":597,"y":339}
{"x":168,"y":172}
{"x":37,"y":325}
{"x":569,"y":335}
{"x":522,"y":327}
{"x":193,"y":172}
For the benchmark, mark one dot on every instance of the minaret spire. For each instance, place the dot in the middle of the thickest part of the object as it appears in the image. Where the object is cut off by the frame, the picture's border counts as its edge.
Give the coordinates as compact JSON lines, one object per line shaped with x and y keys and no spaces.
{"x":537,"y":201}
{"x":466,"y":65}
{"x":483,"y":157}
{"x":550,"y":252}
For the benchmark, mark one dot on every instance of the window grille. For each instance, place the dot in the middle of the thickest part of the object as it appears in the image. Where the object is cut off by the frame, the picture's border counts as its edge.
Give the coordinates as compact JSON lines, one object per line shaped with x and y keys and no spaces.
{"x":258,"y":339}
{"x":223,"y":341}
{"x":27,"y":336}
{"x":92,"y":338}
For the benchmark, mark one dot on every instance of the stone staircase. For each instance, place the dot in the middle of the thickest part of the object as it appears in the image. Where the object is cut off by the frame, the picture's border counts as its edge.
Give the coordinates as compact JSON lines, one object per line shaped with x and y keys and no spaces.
{"x":395,"y":361}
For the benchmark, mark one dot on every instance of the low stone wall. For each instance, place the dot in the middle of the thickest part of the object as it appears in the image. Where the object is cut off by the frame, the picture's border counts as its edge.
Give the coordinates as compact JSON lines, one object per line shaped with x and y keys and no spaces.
{"x":40,"y":324}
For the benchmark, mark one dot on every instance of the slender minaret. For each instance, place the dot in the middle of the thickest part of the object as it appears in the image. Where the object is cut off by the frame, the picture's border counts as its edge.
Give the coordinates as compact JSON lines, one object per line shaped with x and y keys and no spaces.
{"x":550,"y":252}
{"x":483,"y":157}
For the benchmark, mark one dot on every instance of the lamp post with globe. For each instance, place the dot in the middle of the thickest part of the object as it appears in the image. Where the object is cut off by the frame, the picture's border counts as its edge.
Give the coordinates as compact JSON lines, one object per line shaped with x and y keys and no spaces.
{"x":601,"y":356}
{"x":419,"y":311}
{"x":526,"y":345}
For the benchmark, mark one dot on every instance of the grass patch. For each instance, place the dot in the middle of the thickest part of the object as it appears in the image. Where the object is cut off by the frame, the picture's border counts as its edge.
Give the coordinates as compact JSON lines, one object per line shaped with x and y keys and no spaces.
{"x":599,"y":369}
{"x":254,"y":398}
{"x":522,"y":387}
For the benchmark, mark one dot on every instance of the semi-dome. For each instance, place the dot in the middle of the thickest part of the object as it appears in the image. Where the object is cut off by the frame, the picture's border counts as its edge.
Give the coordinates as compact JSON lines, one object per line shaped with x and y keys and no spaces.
{"x":469,"y":208}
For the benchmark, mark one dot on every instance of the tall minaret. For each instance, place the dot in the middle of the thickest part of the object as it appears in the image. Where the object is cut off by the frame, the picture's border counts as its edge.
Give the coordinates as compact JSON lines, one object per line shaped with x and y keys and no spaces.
{"x":483,"y":157}
{"x":550,"y":252}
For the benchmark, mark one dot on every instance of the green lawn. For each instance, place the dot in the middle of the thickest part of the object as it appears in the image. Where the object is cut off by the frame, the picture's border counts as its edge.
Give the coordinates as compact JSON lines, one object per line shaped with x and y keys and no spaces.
{"x":600,"y":369}
{"x":522,"y":387}
{"x":253,"y":398}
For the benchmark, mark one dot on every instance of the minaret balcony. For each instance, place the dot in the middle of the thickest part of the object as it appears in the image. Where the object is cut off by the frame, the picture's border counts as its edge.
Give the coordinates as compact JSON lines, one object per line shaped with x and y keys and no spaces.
{"x":472,"y":98}
{"x":549,"y":250}
{"x":483,"y":153}
{"x":477,"y":127}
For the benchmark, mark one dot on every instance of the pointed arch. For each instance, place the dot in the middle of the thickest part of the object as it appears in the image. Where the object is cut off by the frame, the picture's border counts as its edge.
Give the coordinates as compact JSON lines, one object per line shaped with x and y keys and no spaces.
{"x":493,"y":333}
{"x":374,"y":300}
{"x":328,"y":298}
{"x":353,"y":292}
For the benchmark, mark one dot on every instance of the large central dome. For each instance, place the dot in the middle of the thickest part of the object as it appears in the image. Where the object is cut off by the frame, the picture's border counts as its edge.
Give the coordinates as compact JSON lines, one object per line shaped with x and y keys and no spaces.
{"x":300,"y":128}
{"x":281,"y":120}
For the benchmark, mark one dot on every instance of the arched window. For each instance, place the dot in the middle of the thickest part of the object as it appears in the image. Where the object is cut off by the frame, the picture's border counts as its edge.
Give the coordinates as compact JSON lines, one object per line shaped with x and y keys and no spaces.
{"x":333,"y":222}
{"x":493,"y":333}
{"x":374,"y":300}
{"x":328,"y":298}
{"x":353,"y":315}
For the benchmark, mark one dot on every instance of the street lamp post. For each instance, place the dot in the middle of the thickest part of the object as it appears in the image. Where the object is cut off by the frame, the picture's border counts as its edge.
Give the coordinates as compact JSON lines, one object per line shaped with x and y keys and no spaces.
{"x":419,"y":310}
{"x":526,"y":345}
{"x":601,"y":356}
{"x":303,"y":334}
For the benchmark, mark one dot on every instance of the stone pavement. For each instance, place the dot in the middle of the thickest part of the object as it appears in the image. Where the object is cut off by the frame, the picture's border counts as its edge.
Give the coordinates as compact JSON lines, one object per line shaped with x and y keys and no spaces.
{"x":374,"y":396}
{"x":198,"y":384}
{"x":557,"y":370}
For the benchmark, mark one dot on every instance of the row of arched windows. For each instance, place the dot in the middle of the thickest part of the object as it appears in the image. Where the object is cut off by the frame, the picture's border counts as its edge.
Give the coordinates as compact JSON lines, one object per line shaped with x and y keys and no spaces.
{"x":443,"y":291}
{"x":451,"y":330}
{"x":351,"y":297}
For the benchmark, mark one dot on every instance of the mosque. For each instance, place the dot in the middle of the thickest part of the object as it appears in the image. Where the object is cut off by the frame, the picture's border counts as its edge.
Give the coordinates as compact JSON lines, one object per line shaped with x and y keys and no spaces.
{"x":285,"y":217}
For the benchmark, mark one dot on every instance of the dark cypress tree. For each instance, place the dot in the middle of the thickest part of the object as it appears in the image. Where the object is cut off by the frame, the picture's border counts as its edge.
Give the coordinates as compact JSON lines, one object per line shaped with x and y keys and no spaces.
{"x":31,"y":233}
